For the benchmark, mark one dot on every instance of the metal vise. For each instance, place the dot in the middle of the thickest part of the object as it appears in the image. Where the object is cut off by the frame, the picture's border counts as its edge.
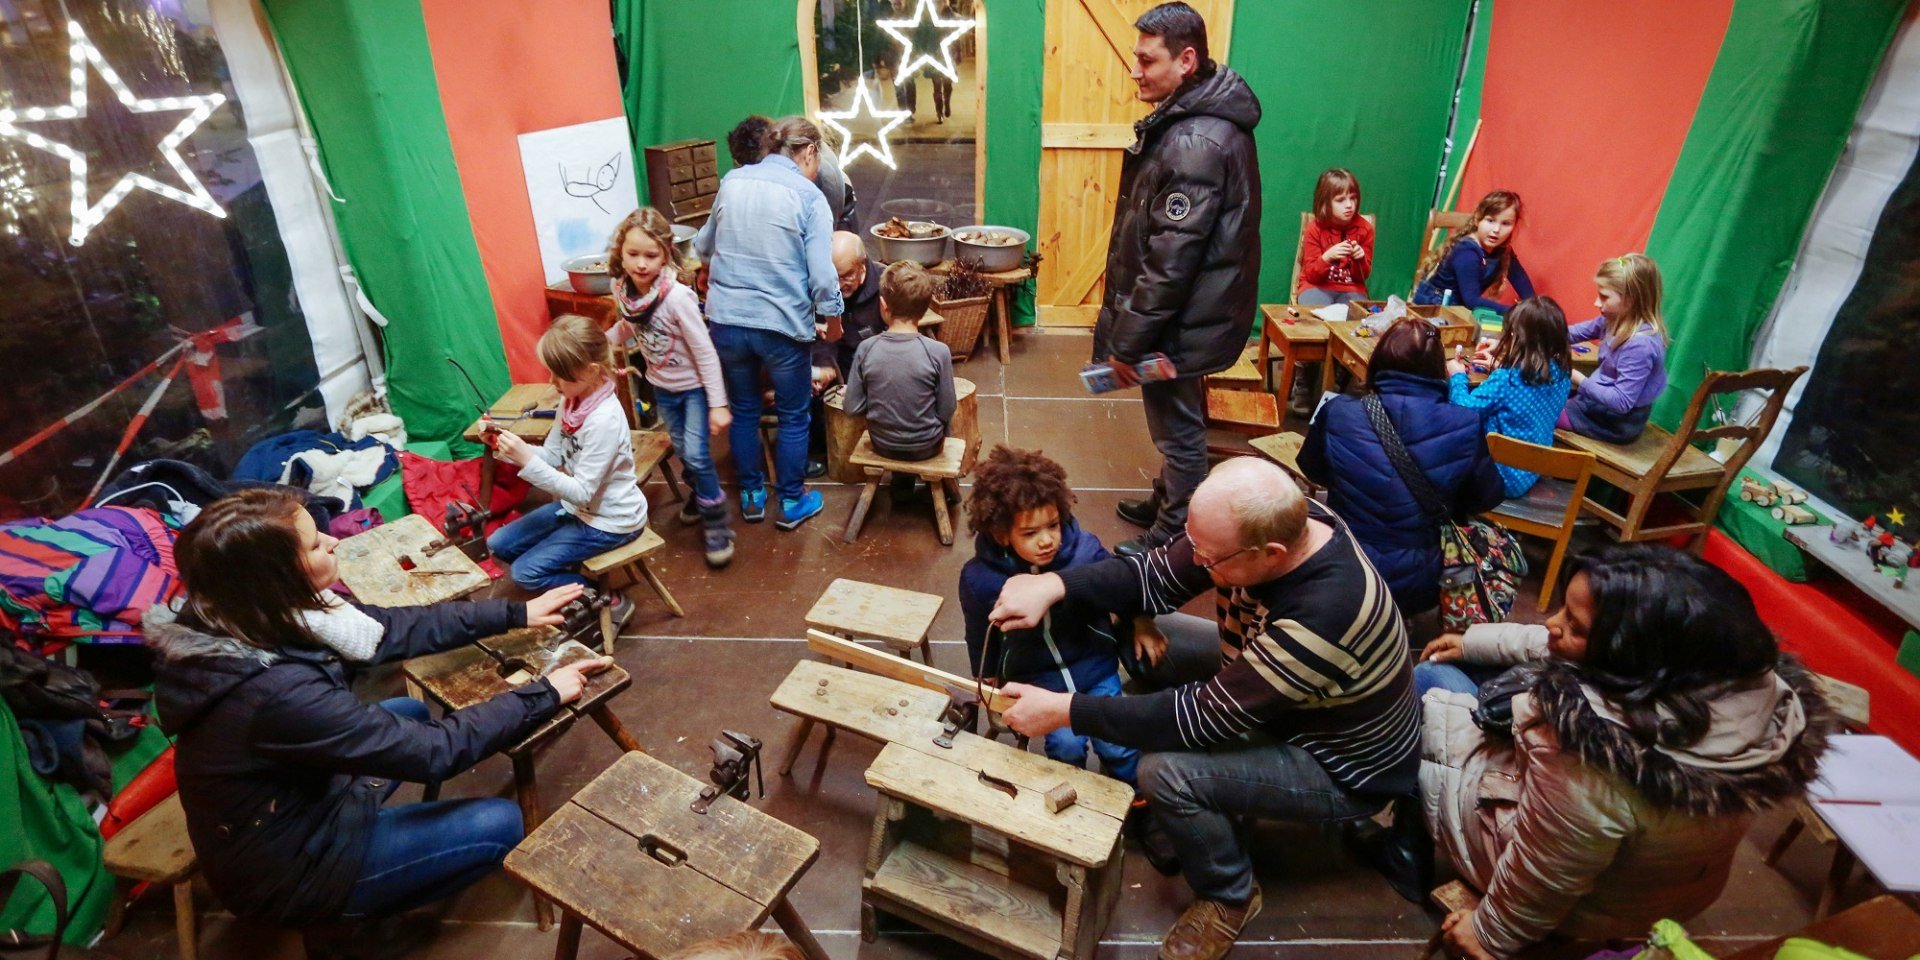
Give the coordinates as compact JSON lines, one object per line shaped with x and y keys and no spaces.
{"x":962,"y":713}
{"x":735,"y":755}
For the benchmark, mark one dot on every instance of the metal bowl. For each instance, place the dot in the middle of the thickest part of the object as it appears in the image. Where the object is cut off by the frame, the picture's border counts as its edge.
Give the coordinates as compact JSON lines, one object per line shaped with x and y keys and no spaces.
{"x":683,"y":240}
{"x":917,"y":208}
{"x":993,"y":258}
{"x":926,"y":252}
{"x":588,"y":274}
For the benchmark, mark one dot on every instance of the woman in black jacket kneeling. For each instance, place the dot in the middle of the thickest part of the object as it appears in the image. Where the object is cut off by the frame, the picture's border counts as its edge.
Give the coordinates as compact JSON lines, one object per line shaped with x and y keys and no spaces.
{"x":282,"y":771}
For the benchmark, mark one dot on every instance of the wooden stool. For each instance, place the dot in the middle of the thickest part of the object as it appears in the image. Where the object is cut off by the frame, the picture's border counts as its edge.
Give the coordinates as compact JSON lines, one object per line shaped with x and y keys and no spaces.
{"x":651,"y":448}
{"x":1015,"y":880}
{"x":1853,"y":706}
{"x":877,"y":708}
{"x":629,"y":558}
{"x":942,"y":474}
{"x":629,"y":857}
{"x":154,"y":848}
{"x":461,"y":678}
{"x":901,"y":619}
{"x":370,"y":565}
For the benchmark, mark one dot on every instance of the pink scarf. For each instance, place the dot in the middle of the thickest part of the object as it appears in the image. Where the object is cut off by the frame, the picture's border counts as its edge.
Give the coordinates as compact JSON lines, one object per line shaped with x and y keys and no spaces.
{"x":641,"y":307}
{"x":573,"y":413}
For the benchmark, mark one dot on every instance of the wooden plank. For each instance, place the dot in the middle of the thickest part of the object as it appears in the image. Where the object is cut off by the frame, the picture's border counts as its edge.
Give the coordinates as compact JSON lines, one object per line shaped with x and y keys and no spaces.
{"x":370,"y":566}
{"x":868,"y":611}
{"x":970,"y":898}
{"x":1637,"y":459}
{"x":954,"y":789}
{"x":1850,"y":702}
{"x":511,"y":411}
{"x":1075,"y":317}
{"x":1851,"y":562}
{"x":899,"y":668}
{"x":457,"y":679}
{"x":154,"y":847}
{"x":945,"y":466}
{"x":1281,"y":448}
{"x":1032,"y":771}
{"x":1113,"y":25}
{"x":1078,"y":282}
{"x":1086,"y":136}
{"x":596,"y":870}
{"x":1884,"y":928}
{"x":734,"y":844}
{"x":875,"y":707}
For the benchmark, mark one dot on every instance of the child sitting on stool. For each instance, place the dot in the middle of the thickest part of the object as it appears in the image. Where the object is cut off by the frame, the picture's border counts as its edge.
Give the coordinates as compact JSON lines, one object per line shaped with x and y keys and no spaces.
{"x":901,"y":381}
{"x":1021,"y":512}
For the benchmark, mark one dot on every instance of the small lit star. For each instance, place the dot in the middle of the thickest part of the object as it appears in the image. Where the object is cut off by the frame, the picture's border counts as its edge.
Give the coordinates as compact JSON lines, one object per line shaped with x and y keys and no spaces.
{"x":909,"y":62}
{"x":87,"y":215}
{"x":880,"y":149}
{"x":1897,"y":518}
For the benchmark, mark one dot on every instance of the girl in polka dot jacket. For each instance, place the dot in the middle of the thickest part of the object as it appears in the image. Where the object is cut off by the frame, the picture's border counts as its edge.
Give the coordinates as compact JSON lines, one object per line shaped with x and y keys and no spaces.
{"x":1523,"y":395}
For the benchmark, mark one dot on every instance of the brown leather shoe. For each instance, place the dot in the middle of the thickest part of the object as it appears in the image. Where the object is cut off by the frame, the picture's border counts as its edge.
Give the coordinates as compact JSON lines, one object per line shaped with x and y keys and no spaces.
{"x":1207,"y":929}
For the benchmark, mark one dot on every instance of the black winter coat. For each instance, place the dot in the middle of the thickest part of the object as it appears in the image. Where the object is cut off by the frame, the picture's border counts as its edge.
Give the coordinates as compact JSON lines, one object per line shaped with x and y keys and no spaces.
{"x":1343,"y":453}
{"x":282,"y":770}
{"x":1183,"y":262}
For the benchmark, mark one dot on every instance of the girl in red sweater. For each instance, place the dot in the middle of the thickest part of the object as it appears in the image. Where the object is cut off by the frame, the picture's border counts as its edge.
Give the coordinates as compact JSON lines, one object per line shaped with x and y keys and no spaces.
{"x":1336,"y":248}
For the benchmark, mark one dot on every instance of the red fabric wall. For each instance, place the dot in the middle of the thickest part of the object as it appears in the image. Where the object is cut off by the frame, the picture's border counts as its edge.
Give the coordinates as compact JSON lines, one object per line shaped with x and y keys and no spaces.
{"x":508,"y":67}
{"x":1583,"y":111}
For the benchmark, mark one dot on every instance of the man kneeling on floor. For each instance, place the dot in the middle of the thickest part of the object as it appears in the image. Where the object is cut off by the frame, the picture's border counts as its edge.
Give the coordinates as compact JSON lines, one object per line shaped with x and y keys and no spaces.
{"x":1297,"y":705}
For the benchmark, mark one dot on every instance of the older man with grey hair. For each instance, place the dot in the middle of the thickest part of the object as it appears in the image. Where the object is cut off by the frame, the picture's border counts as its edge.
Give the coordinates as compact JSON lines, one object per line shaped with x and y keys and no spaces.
{"x":1297,"y":704}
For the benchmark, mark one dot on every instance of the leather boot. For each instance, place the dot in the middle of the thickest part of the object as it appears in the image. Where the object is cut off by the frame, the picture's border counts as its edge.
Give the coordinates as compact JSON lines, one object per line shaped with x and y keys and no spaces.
{"x":1402,"y":853}
{"x":1142,"y":513}
{"x":1208,"y":928}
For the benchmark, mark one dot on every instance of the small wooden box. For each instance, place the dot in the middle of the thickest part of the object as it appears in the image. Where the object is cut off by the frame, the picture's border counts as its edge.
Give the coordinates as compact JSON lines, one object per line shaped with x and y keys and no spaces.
{"x":682,"y":178}
{"x":1460,"y":331}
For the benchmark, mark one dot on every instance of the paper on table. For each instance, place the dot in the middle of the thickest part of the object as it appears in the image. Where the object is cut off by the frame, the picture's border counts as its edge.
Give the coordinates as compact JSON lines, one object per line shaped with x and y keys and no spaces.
{"x":1886,"y":839}
{"x":1867,"y":767}
{"x":1332,"y":312}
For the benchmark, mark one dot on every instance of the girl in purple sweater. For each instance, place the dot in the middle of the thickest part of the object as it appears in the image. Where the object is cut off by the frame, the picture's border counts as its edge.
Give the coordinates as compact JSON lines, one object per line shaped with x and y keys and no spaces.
{"x":1613,"y":402}
{"x":660,"y":318}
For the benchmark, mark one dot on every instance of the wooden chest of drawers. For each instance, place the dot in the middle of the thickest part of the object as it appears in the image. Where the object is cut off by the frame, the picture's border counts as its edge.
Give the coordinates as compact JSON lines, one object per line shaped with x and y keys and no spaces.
{"x":682,"y":178}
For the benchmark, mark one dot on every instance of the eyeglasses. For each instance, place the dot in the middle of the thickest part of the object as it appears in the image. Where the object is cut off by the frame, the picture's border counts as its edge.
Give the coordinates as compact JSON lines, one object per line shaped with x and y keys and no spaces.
{"x":1205,"y":562}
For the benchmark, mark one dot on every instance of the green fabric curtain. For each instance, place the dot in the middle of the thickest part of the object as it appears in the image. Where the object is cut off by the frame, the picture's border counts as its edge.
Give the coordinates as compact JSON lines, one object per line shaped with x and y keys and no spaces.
{"x":48,"y":821}
{"x":1467,"y":114}
{"x":1770,"y":126}
{"x":1378,"y":108}
{"x":365,"y":76}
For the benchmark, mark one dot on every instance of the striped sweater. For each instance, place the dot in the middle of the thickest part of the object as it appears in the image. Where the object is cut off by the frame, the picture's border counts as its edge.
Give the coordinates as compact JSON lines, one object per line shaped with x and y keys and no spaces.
{"x":1317,"y":658}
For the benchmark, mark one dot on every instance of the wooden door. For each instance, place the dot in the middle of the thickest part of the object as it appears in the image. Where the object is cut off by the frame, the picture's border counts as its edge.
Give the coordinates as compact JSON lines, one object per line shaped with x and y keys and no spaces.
{"x":1086,"y":124}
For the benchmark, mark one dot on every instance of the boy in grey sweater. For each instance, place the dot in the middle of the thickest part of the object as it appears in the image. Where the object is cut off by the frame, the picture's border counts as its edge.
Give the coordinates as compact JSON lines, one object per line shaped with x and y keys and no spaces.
{"x":900,"y":381}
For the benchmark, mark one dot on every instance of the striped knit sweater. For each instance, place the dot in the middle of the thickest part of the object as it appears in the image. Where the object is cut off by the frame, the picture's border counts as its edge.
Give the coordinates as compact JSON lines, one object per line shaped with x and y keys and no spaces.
{"x":1317,"y":658}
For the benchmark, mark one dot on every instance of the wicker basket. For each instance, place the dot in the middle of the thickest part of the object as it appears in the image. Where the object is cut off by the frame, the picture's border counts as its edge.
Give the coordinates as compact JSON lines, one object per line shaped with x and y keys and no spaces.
{"x":960,"y":323}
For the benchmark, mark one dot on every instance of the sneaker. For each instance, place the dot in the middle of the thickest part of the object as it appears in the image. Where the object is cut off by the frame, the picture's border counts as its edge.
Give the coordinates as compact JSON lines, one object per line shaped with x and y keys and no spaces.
{"x":1208,"y":928}
{"x":689,"y":513}
{"x":753,"y":505}
{"x":793,"y":513}
{"x":719,"y":547}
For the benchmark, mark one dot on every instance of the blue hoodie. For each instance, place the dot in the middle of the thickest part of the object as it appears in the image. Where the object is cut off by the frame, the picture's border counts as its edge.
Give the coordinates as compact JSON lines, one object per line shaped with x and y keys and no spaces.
{"x":1074,"y":640}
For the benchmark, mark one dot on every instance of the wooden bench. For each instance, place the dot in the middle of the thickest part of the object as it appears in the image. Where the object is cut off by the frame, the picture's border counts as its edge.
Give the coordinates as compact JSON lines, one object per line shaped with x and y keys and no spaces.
{"x":942,"y":474}
{"x":457,"y":679}
{"x":629,"y":558}
{"x":155,"y":849}
{"x":874,"y":707}
{"x":629,"y":857}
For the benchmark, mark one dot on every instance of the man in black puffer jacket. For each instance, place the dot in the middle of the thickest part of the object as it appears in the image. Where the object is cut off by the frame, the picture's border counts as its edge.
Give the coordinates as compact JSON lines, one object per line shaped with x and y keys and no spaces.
{"x":1183,"y":261}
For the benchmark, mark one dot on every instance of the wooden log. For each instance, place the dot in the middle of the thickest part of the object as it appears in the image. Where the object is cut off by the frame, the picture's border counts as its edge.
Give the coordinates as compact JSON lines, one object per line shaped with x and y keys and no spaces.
{"x":966,"y":421}
{"x":900,"y":668}
{"x":1060,"y":797}
{"x":843,"y":433}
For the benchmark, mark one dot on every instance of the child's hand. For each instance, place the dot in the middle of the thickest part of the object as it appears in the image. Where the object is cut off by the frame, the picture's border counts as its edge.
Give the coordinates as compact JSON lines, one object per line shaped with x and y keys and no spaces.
{"x":1335,"y":253}
{"x":718,"y":420}
{"x":1456,"y":365}
{"x":1149,"y":644}
{"x":1359,"y":252}
{"x":1579,"y":378}
{"x":1445,"y":648}
{"x":509,"y":447}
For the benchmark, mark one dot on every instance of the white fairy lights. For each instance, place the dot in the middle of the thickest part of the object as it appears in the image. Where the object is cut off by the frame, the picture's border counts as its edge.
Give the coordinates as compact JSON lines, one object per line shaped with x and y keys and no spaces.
{"x":880,"y":149}
{"x":909,"y":61}
{"x":86,"y":216}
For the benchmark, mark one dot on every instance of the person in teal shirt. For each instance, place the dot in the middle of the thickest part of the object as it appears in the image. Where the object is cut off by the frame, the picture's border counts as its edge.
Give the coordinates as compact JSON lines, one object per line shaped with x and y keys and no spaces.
{"x":1529,"y":383}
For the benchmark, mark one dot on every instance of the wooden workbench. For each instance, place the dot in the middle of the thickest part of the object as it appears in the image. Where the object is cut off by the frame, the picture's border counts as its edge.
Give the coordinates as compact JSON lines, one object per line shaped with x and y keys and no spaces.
{"x":370,"y":566}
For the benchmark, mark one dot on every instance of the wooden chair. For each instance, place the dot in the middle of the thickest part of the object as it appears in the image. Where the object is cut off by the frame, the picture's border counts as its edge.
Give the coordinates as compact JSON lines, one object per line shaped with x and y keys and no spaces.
{"x":1659,"y":465}
{"x":942,"y":473}
{"x":1552,"y":508}
{"x":1852,"y":705}
{"x":629,"y":558}
{"x":155,"y":849}
{"x":1439,"y":224}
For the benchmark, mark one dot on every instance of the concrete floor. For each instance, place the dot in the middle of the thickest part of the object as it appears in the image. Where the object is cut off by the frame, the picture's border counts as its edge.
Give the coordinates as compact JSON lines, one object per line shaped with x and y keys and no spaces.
{"x":743,"y":632}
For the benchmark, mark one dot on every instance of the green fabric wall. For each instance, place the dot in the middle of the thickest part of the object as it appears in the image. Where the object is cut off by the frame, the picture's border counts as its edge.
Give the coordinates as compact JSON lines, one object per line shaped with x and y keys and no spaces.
{"x":692,"y":74}
{"x":1379,"y":109}
{"x":1770,"y":126}
{"x":1467,"y":114}
{"x":365,"y":76}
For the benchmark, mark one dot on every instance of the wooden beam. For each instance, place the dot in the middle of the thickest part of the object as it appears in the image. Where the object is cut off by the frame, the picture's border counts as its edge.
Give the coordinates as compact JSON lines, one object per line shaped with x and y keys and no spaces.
{"x":1078,"y":283}
{"x":1114,"y":26}
{"x":1086,"y":136}
{"x":899,"y":668}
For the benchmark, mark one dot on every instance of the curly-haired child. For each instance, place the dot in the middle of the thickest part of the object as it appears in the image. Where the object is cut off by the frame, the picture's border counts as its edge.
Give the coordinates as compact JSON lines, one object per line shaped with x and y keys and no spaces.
{"x":1021,"y":512}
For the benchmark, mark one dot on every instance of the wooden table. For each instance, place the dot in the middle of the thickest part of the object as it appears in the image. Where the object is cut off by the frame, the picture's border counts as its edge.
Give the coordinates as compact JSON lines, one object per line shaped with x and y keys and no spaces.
{"x":519,"y":412}
{"x":997,"y":873}
{"x":461,"y":678}
{"x":562,"y":299}
{"x":1884,"y":928}
{"x":1002,"y":305}
{"x":1346,"y":348}
{"x":628,"y":857}
{"x":1300,"y":339}
{"x":370,"y":566}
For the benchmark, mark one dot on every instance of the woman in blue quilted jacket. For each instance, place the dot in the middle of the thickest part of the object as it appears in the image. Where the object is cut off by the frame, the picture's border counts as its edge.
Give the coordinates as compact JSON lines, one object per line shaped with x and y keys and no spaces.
{"x":1344,"y":453}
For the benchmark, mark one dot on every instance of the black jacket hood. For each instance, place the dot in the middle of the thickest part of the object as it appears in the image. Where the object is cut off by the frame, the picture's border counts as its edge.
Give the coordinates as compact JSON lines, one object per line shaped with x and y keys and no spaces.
{"x":1225,"y":94}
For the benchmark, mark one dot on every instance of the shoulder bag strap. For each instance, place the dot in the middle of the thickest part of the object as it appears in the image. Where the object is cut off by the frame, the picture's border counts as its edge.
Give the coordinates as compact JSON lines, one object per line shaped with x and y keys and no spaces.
{"x":1402,"y":461}
{"x":50,"y":878}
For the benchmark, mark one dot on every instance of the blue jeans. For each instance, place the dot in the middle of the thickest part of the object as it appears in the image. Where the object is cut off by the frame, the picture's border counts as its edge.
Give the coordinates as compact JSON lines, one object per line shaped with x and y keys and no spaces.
{"x":686,"y":415}
{"x":1068,"y":747}
{"x":744,"y":351}
{"x":1457,"y":677}
{"x":544,"y":547}
{"x":422,"y":852}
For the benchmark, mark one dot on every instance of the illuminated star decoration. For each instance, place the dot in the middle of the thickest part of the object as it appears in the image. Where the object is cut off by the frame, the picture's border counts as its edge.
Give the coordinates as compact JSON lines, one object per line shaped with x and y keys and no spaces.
{"x":1897,"y":518}
{"x":86,"y":216}
{"x":909,"y":61}
{"x":880,"y":149}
